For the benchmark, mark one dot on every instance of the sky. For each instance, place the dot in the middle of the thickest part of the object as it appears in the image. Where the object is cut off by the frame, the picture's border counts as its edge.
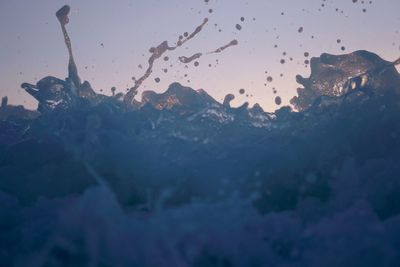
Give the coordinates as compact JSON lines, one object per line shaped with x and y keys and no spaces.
{"x":111,"y":42}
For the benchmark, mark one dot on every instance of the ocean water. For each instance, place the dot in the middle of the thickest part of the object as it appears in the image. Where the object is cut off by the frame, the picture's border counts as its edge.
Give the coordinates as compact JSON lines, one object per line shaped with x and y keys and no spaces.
{"x":180,"y":179}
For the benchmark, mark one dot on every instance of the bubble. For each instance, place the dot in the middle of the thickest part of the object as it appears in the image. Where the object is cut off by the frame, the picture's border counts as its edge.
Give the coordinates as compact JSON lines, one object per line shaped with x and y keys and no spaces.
{"x":269,"y":79}
{"x":238,"y":27}
{"x":242,"y":91}
{"x":278,"y":100}
{"x":306,"y":54}
{"x":282,"y":61}
{"x":242,"y":19}
{"x":338,"y":41}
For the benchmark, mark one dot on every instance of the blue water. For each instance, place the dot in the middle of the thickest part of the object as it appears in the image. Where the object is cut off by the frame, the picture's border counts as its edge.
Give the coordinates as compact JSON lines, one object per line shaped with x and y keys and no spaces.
{"x":182,"y":180}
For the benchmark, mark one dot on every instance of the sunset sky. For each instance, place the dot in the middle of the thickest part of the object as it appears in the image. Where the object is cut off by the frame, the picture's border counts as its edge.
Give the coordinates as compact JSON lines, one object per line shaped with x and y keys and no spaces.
{"x":111,"y":40}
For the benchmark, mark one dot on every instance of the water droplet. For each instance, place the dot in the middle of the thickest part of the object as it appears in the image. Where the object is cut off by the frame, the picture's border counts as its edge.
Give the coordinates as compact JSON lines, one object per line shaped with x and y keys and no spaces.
{"x":278,"y":100}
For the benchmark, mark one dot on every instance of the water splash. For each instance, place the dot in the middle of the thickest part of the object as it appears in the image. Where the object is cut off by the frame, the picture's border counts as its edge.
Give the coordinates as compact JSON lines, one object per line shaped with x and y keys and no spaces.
{"x":156,"y":53}
{"x":187,"y":60}
{"x":222,"y":48}
{"x":62,"y":15}
{"x":285,"y":194}
{"x":339,"y":75}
